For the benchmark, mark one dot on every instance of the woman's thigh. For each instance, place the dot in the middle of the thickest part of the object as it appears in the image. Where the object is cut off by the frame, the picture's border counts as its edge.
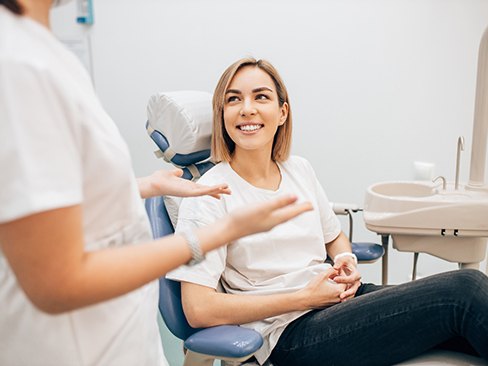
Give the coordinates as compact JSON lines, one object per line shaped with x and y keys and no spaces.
{"x":383,"y":326}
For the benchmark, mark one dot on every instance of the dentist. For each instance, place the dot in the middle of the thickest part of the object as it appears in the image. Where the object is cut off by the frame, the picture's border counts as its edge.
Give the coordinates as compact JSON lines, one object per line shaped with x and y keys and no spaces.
{"x":78,"y":267}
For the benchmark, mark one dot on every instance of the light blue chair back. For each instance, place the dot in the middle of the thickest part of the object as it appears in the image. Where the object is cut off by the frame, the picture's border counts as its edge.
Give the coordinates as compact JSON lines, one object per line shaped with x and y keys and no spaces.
{"x":169,"y":291}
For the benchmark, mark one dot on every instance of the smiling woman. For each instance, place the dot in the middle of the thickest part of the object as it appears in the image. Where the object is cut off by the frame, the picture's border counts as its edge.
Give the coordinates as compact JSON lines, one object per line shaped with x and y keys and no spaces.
{"x":226,"y":98}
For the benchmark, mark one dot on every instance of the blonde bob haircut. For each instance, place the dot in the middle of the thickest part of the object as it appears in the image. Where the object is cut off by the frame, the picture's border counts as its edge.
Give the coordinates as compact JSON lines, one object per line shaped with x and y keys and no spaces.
{"x":222,"y":145}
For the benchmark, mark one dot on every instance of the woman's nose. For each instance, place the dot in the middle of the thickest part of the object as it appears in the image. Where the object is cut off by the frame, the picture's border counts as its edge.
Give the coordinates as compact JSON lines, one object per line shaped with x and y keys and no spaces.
{"x":248,"y":108}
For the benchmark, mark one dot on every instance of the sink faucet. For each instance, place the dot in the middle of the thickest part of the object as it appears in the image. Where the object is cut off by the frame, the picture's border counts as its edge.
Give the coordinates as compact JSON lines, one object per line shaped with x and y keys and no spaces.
{"x":480,"y":124}
{"x":442,"y":179}
{"x":460,"y":147}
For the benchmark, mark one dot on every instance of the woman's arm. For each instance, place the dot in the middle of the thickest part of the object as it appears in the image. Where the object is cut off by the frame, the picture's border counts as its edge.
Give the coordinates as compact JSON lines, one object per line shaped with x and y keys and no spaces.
{"x":169,"y":182}
{"x":205,"y":307}
{"x":345,"y":265}
{"x":341,"y":244}
{"x":46,"y":252}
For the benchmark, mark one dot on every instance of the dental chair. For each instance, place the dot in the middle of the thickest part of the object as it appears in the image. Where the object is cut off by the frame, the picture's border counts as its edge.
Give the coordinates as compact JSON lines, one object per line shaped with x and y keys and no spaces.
{"x":180,"y":124}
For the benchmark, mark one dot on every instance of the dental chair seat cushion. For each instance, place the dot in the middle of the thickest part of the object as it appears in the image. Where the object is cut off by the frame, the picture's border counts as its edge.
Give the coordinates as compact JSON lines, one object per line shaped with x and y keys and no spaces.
{"x":184,"y":118}
{"x":366,"y":252}
{"x":225,"y":341}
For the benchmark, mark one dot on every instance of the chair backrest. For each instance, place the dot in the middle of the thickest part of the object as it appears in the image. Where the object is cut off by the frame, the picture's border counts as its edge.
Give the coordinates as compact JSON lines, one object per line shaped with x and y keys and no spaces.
{"x":180,"y":124}
{"x":169,"y":291}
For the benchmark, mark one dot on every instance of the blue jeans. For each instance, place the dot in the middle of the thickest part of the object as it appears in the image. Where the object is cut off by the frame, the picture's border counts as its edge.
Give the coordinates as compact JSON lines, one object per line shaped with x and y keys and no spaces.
{"x":387,"y":325}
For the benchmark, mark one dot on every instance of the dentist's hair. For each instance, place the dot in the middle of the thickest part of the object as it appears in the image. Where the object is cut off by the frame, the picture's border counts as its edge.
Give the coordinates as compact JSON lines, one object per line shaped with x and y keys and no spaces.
{"x":222,"y":145}
{"x":13,"y":6}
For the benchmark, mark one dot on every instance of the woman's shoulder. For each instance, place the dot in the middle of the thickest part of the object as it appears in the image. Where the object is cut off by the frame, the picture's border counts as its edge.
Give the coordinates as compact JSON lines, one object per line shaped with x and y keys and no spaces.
{"x":216,"y":174}
{"x":295,"y":162}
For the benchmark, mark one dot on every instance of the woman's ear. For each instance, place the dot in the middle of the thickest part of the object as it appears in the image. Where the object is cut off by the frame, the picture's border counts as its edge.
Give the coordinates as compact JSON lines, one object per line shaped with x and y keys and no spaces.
{"x":284,"y":113}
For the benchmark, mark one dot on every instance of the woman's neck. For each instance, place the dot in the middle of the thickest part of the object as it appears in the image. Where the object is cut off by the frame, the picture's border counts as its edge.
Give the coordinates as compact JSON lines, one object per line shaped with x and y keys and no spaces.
{"x":37,"y":10}
{"x":257,"y":168}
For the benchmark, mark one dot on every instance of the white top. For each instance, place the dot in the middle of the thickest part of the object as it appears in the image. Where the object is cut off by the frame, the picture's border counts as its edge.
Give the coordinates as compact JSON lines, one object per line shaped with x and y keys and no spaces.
{"x":282,"y":260}
{"x":58,"y":148}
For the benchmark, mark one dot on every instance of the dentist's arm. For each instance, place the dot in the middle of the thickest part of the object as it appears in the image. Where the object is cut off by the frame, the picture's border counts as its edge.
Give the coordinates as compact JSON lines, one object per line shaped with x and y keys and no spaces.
{"x":46,"y":252}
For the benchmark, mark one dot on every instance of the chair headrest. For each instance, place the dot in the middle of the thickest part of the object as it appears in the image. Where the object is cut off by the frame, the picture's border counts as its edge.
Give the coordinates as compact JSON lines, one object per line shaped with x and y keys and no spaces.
{"x":180,"y":123}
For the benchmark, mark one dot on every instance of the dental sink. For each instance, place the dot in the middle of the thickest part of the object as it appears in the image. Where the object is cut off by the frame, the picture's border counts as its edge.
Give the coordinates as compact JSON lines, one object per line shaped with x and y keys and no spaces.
{"x":409,"y":189}
{"x":421,"y":217}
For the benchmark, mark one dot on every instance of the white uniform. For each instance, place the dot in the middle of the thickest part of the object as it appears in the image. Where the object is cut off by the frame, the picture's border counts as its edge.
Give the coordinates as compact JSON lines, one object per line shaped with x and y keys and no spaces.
{"x":282,"y":260}
{"x":58,"y":148}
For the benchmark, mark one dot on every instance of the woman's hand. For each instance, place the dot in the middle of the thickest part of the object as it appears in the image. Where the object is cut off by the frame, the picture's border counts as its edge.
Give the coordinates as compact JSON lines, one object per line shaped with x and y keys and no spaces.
{"x":264,"y":216}
{"x":169,"y":182}
{"x":348,"y":275}
{"x":322,"y":291}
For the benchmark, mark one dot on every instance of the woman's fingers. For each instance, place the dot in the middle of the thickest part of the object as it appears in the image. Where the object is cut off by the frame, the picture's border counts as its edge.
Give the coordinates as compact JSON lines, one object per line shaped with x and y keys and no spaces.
{"x":349,"y":275}
{"x":350,"y":292}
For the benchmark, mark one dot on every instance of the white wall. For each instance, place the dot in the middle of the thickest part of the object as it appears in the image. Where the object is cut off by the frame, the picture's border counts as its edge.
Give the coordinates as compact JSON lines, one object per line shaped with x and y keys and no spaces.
{"x":374,"y":84}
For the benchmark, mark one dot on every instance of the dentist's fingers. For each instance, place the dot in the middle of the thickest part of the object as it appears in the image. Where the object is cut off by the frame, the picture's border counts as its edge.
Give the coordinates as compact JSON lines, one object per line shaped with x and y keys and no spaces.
{"x":213,"y":191}
{"x":177,"y":172}
{"x":291,"y":211}
{"x":266,"y":215}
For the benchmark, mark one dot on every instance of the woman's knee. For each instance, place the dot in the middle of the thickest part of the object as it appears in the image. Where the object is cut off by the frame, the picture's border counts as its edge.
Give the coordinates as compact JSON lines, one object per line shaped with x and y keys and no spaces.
{"x":468,"y":280}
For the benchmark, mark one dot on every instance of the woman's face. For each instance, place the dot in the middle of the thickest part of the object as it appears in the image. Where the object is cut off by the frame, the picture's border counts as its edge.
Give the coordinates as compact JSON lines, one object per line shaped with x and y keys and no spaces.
{"x":252,"y":112}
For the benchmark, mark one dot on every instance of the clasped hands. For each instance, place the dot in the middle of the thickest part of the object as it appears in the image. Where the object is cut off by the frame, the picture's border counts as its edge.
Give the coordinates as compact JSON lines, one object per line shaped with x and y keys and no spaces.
{"x":336,"y":284}
{"x":348,"y":275}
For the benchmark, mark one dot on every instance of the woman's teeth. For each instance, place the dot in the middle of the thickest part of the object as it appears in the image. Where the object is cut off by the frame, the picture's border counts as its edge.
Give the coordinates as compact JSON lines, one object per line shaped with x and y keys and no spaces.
{"x":250,"y":127}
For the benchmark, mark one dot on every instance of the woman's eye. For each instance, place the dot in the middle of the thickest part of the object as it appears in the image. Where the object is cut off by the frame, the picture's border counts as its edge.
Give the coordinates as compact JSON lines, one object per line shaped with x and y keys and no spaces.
{"x":232,"y":98}
{"x":261,"y":97}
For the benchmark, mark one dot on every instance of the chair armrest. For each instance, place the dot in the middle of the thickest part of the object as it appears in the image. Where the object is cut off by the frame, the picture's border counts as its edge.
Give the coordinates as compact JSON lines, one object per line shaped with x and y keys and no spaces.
{"x":229,"y":341}
{"x":344,"y":208}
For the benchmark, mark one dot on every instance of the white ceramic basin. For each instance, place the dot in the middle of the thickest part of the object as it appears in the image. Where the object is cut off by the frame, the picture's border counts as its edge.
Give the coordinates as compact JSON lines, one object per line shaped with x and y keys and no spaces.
{"x":422,"y":208}
{"x":421,"y":217}
{"x":400,"y":189}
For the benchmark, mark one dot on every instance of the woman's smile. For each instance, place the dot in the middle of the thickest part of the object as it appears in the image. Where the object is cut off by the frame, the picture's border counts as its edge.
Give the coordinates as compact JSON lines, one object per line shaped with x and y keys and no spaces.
{"x":250,"y":127}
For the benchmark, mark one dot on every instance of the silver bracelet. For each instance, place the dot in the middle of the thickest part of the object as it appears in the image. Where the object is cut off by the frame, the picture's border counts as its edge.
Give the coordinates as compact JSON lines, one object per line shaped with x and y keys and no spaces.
{"x":194,"y":245}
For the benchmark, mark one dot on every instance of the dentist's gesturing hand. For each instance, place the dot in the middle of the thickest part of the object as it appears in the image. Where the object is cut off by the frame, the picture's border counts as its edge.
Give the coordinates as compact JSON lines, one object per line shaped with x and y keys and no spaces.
{"x":266,"y":215}
{"x":169,"y":182}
